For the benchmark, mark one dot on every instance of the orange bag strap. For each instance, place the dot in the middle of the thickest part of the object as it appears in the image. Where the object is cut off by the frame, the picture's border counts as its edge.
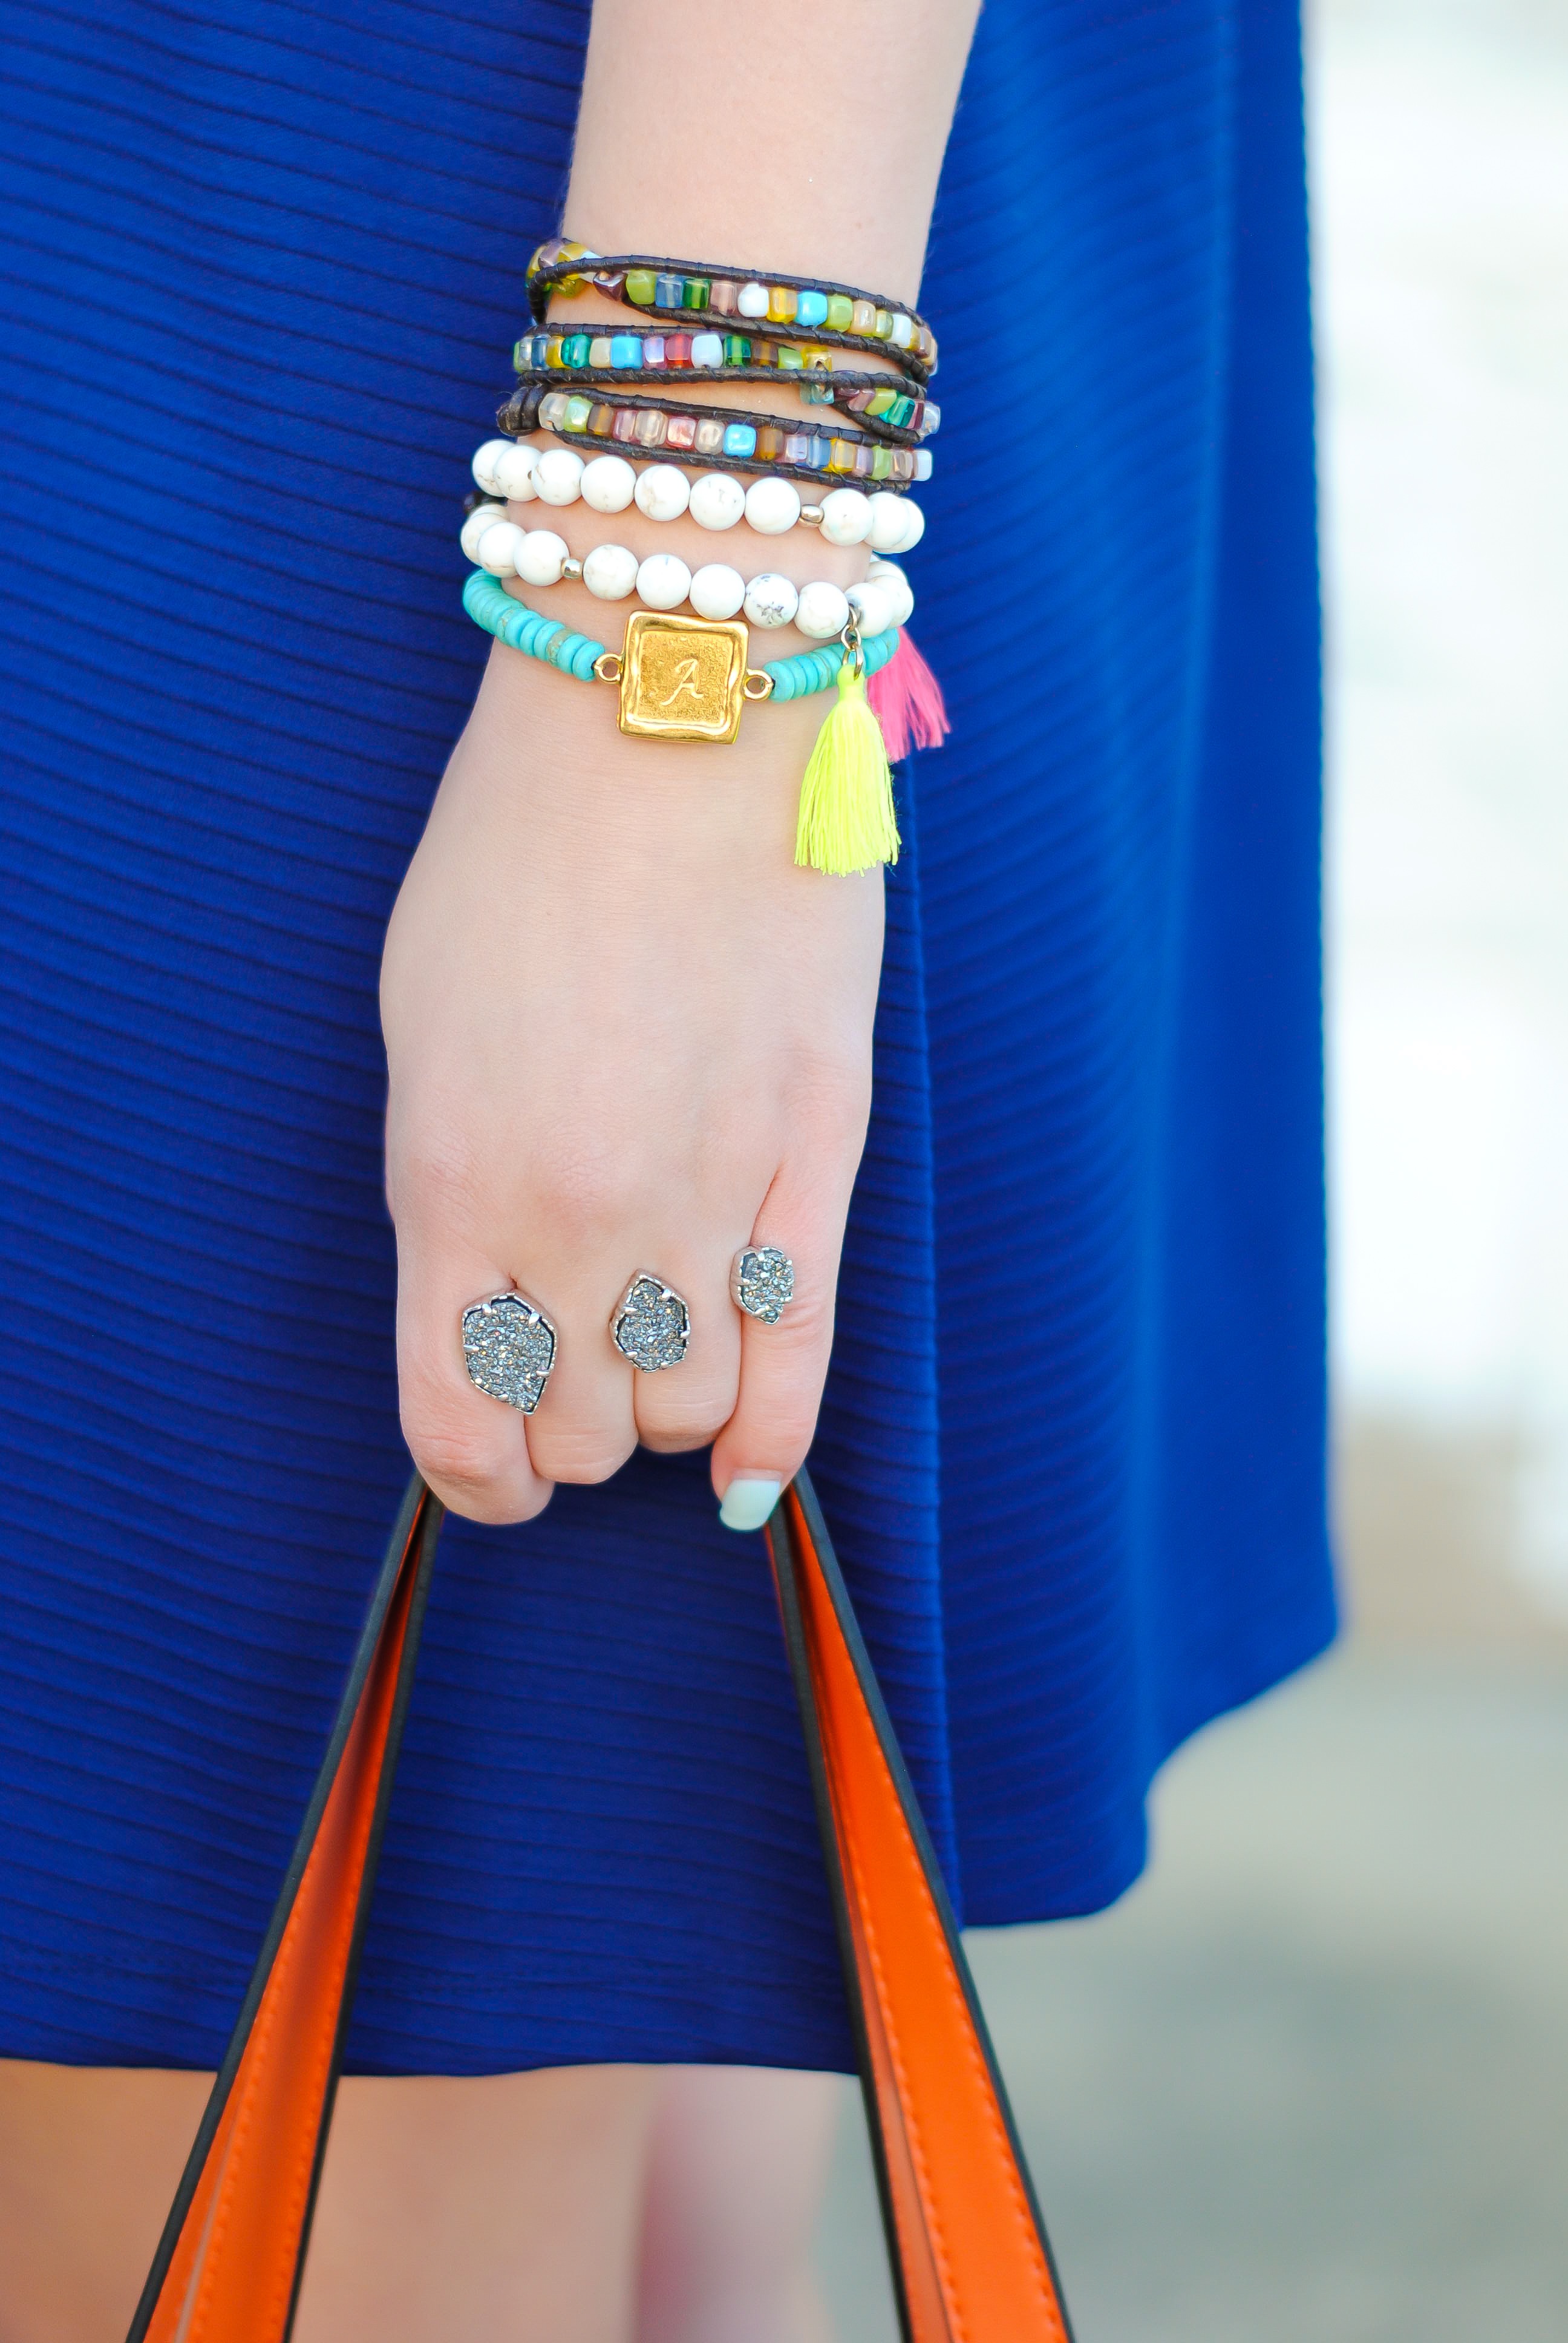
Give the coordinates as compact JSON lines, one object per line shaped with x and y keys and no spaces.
{"x":228,"y":2265}
{"x":970,"y":2262}
{"x":970,"y":2256}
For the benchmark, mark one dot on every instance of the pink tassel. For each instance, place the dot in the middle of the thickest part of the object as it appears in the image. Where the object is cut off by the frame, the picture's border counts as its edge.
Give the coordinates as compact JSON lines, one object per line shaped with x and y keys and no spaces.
{"x":907,"y":701}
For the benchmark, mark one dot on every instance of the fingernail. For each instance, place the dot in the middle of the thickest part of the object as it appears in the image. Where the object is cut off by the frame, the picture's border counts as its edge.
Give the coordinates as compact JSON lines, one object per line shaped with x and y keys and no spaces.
{"x":748,"y":1501}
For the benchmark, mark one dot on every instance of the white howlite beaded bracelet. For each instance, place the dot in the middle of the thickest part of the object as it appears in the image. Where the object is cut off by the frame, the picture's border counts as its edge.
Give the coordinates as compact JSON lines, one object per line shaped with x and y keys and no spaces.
{"x":662,"y":581}
{"x":715,"y":500}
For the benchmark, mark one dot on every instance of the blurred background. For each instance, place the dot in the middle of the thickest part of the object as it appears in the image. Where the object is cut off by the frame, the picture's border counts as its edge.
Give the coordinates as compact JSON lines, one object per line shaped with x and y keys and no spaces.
{"x":1310,"y":2079}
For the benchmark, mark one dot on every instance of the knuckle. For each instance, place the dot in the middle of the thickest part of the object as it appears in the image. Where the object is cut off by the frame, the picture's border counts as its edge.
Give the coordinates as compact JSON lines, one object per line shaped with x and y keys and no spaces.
{"x":780,"y":1415}
{"x":673,"y":1435}
{"x":496,"y":1507}
{"x":833,"y":1093}
{"x":782,"y":1433}
{"x":584,"y":1458}
{"x":585,"y":1192}
{"x":433,"y":1169}
{"x":805,"y":1331}
{"x":454,"y":1451}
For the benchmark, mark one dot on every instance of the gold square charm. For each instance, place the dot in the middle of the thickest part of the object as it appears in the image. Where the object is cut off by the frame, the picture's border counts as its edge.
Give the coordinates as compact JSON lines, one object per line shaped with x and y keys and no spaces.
{"x":682,"y":679}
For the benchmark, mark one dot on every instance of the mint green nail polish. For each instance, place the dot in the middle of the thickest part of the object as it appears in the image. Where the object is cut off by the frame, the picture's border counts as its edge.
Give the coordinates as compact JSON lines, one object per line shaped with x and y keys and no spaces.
{"x":748,"y":1501}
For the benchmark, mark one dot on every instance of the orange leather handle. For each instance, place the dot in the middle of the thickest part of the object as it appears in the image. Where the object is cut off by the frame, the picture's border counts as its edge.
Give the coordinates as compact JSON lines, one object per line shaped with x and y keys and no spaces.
{"x":228,"y":2268}
{"x":971,"y":2260}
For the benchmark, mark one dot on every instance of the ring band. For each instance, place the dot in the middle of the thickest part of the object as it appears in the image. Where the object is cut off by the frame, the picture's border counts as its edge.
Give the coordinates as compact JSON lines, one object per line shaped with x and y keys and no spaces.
{"x":762,"y":1283}
{"x":651,"y":1325}
{"x":508,"y":1349}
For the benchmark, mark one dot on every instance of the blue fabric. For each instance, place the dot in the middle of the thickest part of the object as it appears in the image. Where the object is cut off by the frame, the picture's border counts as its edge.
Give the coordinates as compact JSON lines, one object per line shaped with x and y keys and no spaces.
{"x":265,"y":265}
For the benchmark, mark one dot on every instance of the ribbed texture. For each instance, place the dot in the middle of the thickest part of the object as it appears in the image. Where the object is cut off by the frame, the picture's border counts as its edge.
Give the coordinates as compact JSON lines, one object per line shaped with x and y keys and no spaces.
{"x":265,"y":263}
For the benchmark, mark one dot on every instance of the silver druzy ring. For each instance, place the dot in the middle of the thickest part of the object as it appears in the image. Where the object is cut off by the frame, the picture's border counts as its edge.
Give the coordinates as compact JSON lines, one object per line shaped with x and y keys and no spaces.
{"x":762,"y":1283}
{"x":508,"y":1349}
{"x":651,"y":1325}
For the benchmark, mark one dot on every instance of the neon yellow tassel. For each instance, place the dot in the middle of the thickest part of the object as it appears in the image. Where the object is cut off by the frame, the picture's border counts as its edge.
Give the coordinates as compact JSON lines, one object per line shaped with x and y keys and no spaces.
{"x":847,"y":821}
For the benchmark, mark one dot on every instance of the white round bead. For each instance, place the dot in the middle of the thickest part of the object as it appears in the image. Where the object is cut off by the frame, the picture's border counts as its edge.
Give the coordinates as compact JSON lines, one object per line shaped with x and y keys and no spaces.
{"x":914,"y":527}
{"x":716,"y":590}
{"x":892,"y":580}
{"x":540,"y":558}
{"x":772,"y":506}
{"x":558,"y":476}
{"x":846,"y":517}
{"x":873,"y":606}
{"x":771,"y":601}
{"x":752,"y":300}
{"x":717,"y":500}
{"x":514,"y":473}
{"x":499,"y":548}
{"x":484,"y":460}
{"x":663,"y":494}
{"x":663,"y":580}
{"x":609,"y":484}
{"x":476,"y":523}
{"x":887,"y":522}
{"x":823,"y":611}
{"x":611,"y":572}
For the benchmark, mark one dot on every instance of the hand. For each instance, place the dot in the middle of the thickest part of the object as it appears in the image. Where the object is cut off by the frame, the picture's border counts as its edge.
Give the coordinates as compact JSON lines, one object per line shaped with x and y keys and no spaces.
{"x":624,"y":1033}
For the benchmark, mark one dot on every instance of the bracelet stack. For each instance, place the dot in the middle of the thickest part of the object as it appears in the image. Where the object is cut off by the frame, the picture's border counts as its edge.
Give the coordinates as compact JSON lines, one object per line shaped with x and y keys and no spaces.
{"x":688,"y":676}
{"x":796,"y":327}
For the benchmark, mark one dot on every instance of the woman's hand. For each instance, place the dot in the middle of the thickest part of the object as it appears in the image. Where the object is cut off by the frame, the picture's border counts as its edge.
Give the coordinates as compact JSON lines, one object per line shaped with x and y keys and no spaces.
{"x":624,"y":1033}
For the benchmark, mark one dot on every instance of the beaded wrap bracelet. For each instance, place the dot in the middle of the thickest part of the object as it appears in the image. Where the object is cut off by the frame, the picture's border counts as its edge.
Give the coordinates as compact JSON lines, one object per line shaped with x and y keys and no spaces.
{"x":841,"y":315}
{"x":721,"y":435}
{"x":804,"y":324}
{"x":603,"y":354}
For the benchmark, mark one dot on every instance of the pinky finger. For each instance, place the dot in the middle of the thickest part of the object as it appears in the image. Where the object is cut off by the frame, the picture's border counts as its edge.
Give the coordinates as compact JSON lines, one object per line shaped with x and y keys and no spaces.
{"x":783,"y":1367}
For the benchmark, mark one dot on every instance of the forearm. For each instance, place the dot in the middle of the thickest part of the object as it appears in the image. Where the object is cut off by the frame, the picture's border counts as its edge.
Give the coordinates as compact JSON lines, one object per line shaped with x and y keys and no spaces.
{"x":721,"y":130}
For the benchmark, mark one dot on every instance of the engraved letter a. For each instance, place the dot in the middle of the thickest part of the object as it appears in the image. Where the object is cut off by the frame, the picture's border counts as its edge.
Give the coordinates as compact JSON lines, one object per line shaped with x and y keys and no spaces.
{"x":685,"y":681}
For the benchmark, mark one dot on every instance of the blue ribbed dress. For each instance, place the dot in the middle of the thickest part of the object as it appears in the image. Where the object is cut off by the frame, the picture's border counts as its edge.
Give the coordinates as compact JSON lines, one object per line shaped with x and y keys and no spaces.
{"x":265,"y":264}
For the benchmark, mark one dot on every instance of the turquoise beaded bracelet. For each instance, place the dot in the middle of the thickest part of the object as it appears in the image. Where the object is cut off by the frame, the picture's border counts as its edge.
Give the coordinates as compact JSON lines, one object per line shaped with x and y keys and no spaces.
{"x":688,"y":679}
{"x":512,"y":622}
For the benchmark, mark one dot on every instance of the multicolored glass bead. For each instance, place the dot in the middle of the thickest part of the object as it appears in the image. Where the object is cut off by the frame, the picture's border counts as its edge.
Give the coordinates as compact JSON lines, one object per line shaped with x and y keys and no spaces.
{"x":698,"y":294}
{"x":900,"y":409}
